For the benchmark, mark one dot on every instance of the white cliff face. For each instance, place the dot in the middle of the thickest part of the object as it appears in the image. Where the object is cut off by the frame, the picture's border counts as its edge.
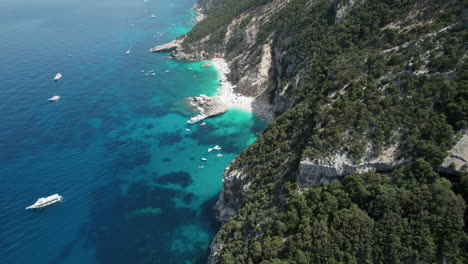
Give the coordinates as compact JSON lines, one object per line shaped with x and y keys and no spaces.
{"x":457,"y":160}
{"x":322,"y":170}
{"x":232,"y":194}
{"x":343,"y":7}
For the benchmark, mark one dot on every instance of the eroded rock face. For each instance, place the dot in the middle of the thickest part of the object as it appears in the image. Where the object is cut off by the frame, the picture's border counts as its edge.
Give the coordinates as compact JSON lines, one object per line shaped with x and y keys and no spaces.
{"x":343,"y":7}
{"x":232,"y":194}
{"x":322,"y":170}
{"x":457,"y":160}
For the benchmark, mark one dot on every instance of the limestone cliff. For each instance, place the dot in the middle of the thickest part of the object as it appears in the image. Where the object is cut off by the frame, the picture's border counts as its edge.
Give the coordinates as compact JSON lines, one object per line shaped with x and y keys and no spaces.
{"x":256,"y":70}
{"x":456,"y":162}
{"x":321,"y":170}
{"x":342,"y":8}
{"x":262,"y":67}
{"x":321,"y":100}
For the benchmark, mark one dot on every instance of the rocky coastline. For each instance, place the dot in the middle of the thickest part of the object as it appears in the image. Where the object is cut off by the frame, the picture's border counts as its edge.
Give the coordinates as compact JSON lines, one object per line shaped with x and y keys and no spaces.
{"x":226,"y":98}
{"x":264,"y":84}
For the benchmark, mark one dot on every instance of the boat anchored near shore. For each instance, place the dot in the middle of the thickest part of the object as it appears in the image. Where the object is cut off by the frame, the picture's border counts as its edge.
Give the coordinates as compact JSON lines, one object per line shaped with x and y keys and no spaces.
{"x":45,"y":201}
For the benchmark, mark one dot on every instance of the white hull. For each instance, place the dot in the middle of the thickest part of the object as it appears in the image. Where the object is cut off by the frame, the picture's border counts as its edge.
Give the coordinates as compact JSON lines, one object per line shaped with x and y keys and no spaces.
{"x":43,"y":202}
{"x":54,"y":98}
{"x":58,"y":76}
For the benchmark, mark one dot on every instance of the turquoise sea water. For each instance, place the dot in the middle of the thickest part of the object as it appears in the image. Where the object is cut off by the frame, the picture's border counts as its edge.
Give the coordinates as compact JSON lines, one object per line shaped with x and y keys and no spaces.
{"x":115,"y":145}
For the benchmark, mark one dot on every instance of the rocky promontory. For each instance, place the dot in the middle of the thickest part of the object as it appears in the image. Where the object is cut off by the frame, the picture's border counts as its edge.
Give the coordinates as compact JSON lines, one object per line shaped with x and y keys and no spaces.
{"x":175,"y":48}
{"x":208,"y":106}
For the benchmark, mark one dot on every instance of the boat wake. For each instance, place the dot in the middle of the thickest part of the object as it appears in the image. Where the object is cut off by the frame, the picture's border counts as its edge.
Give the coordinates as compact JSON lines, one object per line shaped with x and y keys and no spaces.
{"x":129,"y":50}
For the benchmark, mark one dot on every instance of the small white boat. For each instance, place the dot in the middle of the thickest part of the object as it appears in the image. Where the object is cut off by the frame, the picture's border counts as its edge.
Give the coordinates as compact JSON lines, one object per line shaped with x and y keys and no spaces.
{"x":219,"y":155}
{"x":54,"y":98}
{"x":58,"y":76}
{"x":129,"y":50}
{"x":43,"y":202}
{"x":195,"y":119}
{"x":204,"y":159}
{"x":153,"y":74}
{"x":142,"y":70}
{"x":217,"y":147}
{"x":187,"y":129}
{"x":210,"y":149}
{"x":166,"y":71}
{"x":202,"y":124}
{"x":201,"y":167}
{"x":153,"y":16}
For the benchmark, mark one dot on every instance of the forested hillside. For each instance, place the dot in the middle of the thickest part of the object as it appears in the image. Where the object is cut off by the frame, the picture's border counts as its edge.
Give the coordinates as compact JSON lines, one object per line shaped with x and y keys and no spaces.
{"x":410,"y":216}
{"x":374,"y":76}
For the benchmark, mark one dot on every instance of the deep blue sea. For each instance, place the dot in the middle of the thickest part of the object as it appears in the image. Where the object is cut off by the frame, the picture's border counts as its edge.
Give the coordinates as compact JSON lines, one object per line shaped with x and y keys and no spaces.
{"x":115,"y":145}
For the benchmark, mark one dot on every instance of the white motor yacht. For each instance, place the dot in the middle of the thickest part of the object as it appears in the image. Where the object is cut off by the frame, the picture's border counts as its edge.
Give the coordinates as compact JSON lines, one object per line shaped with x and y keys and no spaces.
{"x":54,"y":98}
{"x":43,"y":202}
{"x":58,"y":76}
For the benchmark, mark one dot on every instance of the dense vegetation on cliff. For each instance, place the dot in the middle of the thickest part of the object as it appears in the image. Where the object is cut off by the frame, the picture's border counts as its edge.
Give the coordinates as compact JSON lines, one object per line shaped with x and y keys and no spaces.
{"x":412,"y":216}
{"x":219,"y":18}
{"x":389,"y":73}
{"x":358,"y":90}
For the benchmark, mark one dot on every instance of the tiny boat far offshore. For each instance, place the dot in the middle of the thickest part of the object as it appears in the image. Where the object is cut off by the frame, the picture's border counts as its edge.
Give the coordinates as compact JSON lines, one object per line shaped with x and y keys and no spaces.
{"x":43,"y":202}
{"x":54,"y":98}
{"x":58,"y":76}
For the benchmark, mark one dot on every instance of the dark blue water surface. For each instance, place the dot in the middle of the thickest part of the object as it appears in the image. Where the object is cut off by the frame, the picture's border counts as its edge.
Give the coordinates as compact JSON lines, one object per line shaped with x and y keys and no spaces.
{"x":115,"y":145}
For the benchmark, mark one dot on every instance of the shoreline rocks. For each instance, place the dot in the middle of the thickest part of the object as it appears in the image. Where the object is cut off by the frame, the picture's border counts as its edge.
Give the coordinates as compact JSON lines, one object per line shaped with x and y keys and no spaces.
{"x":208,"y":106}
{"x":168,"y":47}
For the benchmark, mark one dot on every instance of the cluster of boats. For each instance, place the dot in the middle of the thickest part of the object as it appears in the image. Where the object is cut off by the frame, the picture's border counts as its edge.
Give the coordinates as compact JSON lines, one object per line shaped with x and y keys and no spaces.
{"x":209,"y":150}
{"x":149,"y":72}
{"x":214,"y":148}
